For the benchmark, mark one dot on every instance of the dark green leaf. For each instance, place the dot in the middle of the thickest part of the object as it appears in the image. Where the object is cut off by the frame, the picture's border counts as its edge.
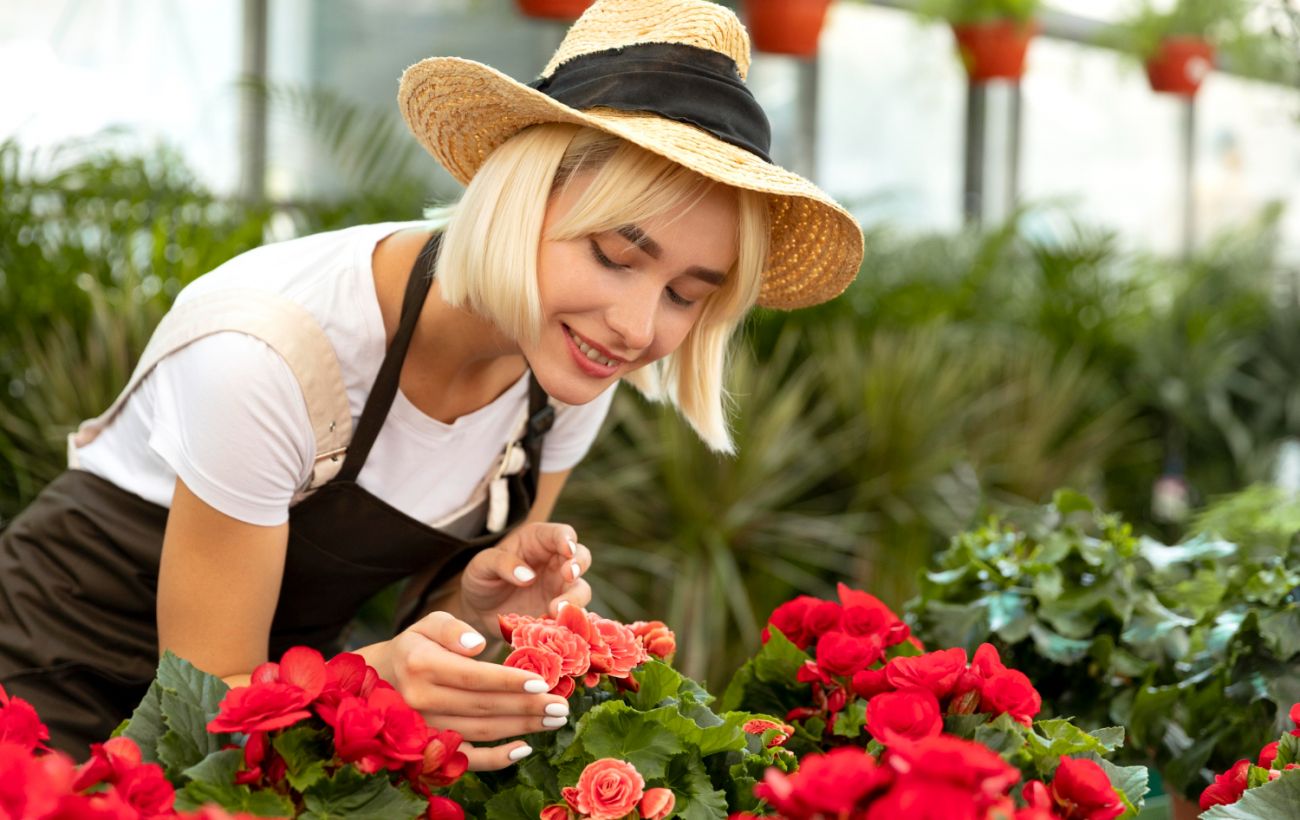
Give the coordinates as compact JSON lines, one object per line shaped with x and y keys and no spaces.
{"x":218,"y":768}
{"x":1272,"y":801}
{"x":357,"y":796}
{"x":146,"y":726}
{"x":190,"y":698}
{"x":233,"y":799}
{"x":516,"y":804}
{"x":697,"y":798}
{"x":658,"y":682}
{"x":615,"y":730}
{"x":305,"y":751}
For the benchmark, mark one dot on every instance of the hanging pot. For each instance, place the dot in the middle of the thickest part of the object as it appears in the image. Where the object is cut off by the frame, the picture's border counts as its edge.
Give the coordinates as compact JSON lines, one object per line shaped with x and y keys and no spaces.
{"x":786,"y":26}
{"x":568,"y":10}
{"x":1181,"y":808}
{"x":994,"y":50}
{"x":1180,"y":64}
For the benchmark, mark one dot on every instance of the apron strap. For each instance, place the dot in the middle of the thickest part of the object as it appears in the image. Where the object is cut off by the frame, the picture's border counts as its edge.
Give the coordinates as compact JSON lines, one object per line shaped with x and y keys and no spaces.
{"x":384,"y":389}
{"x":287,"y":327}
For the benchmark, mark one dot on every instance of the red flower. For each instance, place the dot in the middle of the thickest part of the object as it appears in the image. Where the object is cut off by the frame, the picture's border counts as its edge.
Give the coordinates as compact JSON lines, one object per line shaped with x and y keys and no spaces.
{"x":839,"y":653}
{"x":260,"y":708}
{"x":441,"y":764}
{"x":895,"y":630}
{"x":970,"y":766}
{"x":863,"y":621}
{"x":936,"y":671}
{"x":823,"y":617}
{"x":871,"y":682}
{"x":32,"y":786}
{"x":758,"y":726}
{"x":509,"y":622}
{"x":20,"y":724}
{"x":1227,"y":787}
{"x":908,"y":714}
{"x":920,"y":799}
{"x":108,"y":762}
{"x":834,"y":784}
{"x":1082,"y":791}
{"x":1010,"y":692}
{"x":145,"y":789}
{"x":790,"y":617}
{"x":655,"y":637}
{"x":1295,"y":718}
{"x":657,"y":804}
{"x":542,"y":661}
{"x":573,"y":649}
{"x":444,"y":808}
{"x":608,"y":789}
{"x":1267,"y":755}
{"x":558,"y":811}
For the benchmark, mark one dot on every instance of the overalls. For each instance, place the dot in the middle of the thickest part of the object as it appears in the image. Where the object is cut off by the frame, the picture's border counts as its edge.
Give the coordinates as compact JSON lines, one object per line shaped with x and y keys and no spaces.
{"x":79,"y":567}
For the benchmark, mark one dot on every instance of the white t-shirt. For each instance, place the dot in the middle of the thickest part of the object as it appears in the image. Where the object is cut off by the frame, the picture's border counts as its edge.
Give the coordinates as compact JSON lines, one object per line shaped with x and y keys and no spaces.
{"x":227,"y":416}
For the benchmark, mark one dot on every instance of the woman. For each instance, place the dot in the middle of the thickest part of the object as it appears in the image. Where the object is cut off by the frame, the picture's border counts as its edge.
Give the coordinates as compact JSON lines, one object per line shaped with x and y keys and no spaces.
{"x":319,"y":418}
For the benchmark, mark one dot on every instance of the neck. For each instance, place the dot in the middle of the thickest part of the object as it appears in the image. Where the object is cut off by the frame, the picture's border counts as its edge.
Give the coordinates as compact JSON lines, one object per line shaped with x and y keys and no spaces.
{"x":457,"y":361}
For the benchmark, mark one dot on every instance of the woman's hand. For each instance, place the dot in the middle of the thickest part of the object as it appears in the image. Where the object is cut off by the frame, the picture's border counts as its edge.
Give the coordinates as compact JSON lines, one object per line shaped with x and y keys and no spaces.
{"x":533,"y":571}
{"x":431,"y":663}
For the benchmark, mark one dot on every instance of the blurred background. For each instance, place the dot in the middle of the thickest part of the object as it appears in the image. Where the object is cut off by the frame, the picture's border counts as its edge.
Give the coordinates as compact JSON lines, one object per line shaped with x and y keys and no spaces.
{"x":1072,"y":278}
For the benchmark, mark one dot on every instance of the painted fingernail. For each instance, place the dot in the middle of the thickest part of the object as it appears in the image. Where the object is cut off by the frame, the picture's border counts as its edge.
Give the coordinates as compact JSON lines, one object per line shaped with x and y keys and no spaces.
{"x":469,"y":640}
{"x":520,"y":753}
{"x":536,"y":686}
{"x":577,"y":570}
{"x":524,"y":573}
{"x":573,"y":547}
{"x":554,"y":722}
{"x":561,"y":605}
{"x":557,"y":709}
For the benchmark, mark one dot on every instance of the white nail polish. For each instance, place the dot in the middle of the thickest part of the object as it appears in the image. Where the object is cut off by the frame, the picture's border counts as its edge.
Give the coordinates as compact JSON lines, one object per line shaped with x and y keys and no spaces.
{"x":554,"y":722}
{"x":469,"y":640}
{"x":536,"y":687}
{"x":557,"y":709}
{"x":561,"y":605}
{"x":520,"y":753}
{"x":524,"y":573}
{"x":577,"y":570}
{"x":573,"y":547}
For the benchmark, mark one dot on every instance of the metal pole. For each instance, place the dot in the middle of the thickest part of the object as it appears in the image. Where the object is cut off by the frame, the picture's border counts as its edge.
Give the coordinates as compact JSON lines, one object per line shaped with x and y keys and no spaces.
{"x":252,"y":120}
{"x":1013,"y":149}
{"x":1189,"y":177}
{"x":809,"y":82}
{"x":973,"y":188}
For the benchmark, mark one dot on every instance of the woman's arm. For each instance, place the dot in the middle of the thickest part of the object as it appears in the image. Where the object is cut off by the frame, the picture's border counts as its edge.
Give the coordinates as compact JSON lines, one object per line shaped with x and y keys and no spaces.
{"x":218,"y":584}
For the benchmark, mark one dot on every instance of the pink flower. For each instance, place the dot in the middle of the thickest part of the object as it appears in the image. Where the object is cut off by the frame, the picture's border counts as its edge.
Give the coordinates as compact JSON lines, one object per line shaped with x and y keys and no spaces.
{"x":758,"y":726}
{"x":608,"y":789}
{"x":544,"y":662}
{"x":655,"y":637}
{"x":573,"y":649}
{"x":657,"y":804}
{"x":625,"y":651}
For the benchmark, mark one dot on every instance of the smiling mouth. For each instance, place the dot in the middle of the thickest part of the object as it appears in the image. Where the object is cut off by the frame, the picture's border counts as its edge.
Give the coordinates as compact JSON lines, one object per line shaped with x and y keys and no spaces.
{"x":590,"y":352}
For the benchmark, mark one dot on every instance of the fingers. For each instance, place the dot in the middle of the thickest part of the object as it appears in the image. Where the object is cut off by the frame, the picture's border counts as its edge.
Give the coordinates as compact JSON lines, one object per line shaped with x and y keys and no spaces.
{"x":578,"y":594}
{"x":481,"y":730}
{"x":491,"y":758}
{"x":450,"y":633}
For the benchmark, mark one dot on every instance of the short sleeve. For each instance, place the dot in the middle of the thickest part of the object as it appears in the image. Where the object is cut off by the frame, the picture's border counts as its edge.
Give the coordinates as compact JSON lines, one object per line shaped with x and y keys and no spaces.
{"x":231,"y":421}
{"x":574,"y":430}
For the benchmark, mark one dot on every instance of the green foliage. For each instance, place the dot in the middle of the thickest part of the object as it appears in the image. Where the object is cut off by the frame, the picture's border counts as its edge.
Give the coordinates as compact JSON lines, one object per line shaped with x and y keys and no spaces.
{"x":1267,"y":802}
{"x":980,"y":11}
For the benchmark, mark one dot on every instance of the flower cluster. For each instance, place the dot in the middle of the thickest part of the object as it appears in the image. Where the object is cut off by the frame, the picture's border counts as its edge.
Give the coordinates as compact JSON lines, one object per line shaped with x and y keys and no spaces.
{"x":580,"y":647}
{"x":372,"y":727}
{"x":610,"y":789}
{"x":115,"y":782}
{"x":907,"y":695}
{"x":937,"y":778}
{"x":894,"y":731}
{"x":1277,"y":757}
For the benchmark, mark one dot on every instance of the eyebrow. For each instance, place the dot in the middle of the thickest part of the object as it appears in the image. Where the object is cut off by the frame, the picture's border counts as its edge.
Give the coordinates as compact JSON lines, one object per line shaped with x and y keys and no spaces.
{"x":638,"y":237}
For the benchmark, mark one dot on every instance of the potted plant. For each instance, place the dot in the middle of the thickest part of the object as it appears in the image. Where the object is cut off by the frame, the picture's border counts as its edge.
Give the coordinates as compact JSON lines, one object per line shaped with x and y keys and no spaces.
{"x":566,"y":10}
{"x":1178,"y":46}
{"x":786,"y":26}
{"x":992,"y":35}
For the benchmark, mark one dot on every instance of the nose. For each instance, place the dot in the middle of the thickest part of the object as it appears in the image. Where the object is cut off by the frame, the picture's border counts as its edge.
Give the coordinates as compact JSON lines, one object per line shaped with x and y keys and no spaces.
{"x":632,"y":318}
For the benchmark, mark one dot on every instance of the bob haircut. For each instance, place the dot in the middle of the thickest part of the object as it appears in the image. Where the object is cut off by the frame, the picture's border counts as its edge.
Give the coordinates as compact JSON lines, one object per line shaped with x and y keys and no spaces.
{"x":488,"y":262}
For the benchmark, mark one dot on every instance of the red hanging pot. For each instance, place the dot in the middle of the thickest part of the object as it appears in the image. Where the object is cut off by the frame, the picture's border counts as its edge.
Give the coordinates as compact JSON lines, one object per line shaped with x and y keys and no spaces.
{"x":994,"y":50}
{"x":786,"y":26}
{"x":1180,"y":65}
{"x":569,"y":10}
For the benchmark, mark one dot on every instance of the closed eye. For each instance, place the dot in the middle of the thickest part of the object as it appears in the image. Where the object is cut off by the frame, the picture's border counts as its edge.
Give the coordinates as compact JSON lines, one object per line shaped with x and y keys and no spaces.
{"x":602,"y":258}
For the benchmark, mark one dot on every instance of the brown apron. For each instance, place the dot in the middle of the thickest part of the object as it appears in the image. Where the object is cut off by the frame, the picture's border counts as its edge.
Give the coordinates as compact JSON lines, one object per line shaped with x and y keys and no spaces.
{"x":79,"y":567}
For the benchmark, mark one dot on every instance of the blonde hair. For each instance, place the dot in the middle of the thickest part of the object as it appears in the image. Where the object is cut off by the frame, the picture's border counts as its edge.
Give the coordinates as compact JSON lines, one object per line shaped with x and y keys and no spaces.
{"x":488,"y":262}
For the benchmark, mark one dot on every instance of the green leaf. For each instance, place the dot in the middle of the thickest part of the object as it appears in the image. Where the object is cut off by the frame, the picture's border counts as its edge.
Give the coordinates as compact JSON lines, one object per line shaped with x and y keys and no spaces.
{"x":1111,"y":737}
{"x":615,"y":730}
{"x":1200,"y":548}
{"x":233,"y":799}
{"x":1003,"y":735}
{"x":190,"y":698}
{"x":697,"y":799}
{"x":766,"y":682}
{"x":516,"y":803}
{"x":305,"y":751}
{"x":352,"y":794}
{"x":1282,"y":631}
{"x":956,"y":625}
{"x":218,"y":768}
{"x":658,"y":682}
{"x":1271,"y":801}
{"x":146,"y":726}
{"x":849,"y":723}
{"x":1132,"y":783}
{"x":1058,"y":648}
{"x":1072,"y":501}
{"x":1288,"y":751}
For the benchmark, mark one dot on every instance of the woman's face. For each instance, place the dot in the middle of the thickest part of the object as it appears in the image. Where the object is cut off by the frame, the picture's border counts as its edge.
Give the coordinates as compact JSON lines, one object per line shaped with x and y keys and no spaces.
{"x":619,"y":300}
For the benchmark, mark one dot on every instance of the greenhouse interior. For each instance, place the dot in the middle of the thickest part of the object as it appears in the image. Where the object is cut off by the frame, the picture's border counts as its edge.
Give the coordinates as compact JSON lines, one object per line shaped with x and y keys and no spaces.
{"x":998,"y":519}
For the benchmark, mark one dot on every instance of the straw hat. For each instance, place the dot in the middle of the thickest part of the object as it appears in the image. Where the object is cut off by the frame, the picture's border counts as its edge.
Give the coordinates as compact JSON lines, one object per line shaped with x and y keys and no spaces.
{"x":666,"y":75}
